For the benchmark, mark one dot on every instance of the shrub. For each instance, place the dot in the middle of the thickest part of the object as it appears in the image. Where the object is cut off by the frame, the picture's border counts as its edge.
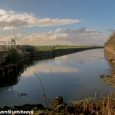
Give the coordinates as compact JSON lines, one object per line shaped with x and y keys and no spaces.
{"x":14,"y":55}
{"x":28,"y":48}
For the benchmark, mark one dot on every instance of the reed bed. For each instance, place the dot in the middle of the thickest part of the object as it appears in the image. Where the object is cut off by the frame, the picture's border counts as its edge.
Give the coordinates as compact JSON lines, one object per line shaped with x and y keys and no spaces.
{"x":103,"y":106}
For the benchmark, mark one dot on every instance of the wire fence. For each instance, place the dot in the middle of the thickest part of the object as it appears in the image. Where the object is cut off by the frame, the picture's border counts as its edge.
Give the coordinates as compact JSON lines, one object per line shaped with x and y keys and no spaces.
{"x":3,"y":45}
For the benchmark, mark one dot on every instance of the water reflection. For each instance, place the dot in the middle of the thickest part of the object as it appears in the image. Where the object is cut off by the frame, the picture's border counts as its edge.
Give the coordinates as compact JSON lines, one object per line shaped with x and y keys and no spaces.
{"x":48,"y":69}
{"x":72,"y":76}
{"x":12,"y":78}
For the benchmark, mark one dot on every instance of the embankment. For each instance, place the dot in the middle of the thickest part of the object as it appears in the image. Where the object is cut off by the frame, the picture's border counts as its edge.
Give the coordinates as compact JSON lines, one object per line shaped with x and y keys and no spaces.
{"x":7,"y":67}
{"x":109,"y":52}
{"x":72,"y":50}
{"x":109,"y":48}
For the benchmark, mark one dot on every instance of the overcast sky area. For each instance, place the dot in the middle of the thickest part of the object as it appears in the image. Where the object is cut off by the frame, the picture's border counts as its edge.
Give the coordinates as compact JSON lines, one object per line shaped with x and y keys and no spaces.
{"x":57,"y":22}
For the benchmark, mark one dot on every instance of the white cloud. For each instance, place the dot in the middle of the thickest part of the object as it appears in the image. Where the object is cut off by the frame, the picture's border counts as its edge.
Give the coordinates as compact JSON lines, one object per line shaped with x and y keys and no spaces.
{"x":80,"y":36}
{"x":58,"y":30}
{"x":12,"y":19}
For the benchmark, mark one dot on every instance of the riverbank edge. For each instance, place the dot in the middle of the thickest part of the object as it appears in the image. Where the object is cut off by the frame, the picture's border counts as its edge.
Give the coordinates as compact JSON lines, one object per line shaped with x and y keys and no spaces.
{"x":109,"y":54}
{"x":103,"y":106}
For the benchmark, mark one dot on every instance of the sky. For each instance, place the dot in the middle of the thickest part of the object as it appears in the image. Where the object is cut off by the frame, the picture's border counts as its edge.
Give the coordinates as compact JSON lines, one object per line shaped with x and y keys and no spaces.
{"x":57,"y":22}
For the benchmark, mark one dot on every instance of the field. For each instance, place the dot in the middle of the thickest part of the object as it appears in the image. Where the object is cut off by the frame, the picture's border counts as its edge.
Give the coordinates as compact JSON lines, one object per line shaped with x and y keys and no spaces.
{"x":41,"y":48}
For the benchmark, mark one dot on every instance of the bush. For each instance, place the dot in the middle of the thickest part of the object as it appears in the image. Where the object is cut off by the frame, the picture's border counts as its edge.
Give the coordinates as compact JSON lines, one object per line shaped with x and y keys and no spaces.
{"x":28,"y":48}
{"x":14,"y":55}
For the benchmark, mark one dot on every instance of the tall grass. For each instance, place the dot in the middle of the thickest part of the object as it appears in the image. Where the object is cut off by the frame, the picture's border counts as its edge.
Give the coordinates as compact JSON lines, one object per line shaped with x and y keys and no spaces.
{"x":103,"y":106}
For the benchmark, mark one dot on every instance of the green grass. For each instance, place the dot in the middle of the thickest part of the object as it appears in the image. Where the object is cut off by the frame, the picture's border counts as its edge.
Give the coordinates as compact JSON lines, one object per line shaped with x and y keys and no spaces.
{"x":45,"y":48}
{"x":67,"y":47}
{"x":6,"y":48}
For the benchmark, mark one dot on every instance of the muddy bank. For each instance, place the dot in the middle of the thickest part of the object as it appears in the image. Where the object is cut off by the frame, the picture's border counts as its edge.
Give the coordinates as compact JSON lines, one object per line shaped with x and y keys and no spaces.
{"x":109,"y":48}
{"x":109,"y":54}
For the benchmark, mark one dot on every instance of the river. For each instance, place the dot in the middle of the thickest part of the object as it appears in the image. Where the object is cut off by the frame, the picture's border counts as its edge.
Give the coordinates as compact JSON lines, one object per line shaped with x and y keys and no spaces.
{"x":73,"y":76}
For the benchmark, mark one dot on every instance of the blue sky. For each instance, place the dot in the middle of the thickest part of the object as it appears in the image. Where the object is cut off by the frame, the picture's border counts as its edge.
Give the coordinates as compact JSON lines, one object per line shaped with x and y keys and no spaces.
{"x":57,"y":22}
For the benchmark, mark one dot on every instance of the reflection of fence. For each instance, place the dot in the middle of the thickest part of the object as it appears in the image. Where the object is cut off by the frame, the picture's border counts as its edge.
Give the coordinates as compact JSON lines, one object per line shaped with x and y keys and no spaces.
{"x":3,"y":45}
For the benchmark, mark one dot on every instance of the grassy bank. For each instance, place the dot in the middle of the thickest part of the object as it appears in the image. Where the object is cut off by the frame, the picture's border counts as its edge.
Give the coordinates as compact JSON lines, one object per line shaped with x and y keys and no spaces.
{"x":110,"y":44}
{"x":41,"y":48}
{"x":68,"y":47}
{"x":109,"y":48}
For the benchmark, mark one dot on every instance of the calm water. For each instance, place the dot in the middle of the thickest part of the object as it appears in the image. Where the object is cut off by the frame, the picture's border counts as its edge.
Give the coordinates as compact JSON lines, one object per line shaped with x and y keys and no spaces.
{"x":72,"y":76}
